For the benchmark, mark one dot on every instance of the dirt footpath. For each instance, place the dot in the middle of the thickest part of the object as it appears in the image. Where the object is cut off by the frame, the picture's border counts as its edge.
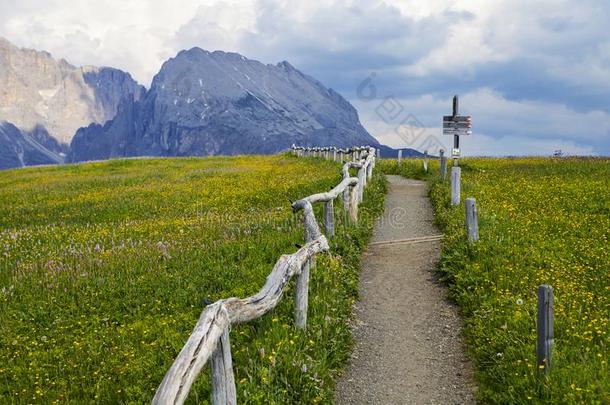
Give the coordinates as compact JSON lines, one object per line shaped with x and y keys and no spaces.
{"x":408,"y":349}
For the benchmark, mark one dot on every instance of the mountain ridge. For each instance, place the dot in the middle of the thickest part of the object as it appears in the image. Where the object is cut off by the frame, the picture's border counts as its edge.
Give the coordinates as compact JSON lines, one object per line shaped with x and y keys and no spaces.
{"x":40,"y":90}
{"x":199,"y":103}
{"x":207,"y":103}
{"x":40,"y":93}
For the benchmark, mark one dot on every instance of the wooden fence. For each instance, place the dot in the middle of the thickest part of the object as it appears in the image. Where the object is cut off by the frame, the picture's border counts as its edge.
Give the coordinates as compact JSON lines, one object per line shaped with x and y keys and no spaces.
{"x":209,"y":340}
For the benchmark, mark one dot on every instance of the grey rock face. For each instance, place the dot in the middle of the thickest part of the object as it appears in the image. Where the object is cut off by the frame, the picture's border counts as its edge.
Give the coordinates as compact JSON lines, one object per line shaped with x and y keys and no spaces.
{"x":110,"y":86}
{"x":38,"y":90}
{"x":209,"y":103}
{"x":37,"y":147}
{"x":42,"y":136}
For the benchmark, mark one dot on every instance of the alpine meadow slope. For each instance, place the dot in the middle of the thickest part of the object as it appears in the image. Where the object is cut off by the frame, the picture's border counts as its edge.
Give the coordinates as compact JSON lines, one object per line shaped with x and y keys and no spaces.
{"x":105,"y":268}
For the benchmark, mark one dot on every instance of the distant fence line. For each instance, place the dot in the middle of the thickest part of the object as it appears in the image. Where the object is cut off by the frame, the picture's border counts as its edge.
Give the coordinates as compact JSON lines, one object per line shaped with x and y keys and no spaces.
{"x":210,"y":337}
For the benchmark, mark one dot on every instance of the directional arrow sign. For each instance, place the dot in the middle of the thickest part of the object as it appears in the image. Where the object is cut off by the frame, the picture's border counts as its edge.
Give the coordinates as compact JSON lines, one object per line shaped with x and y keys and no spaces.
{"x":457,"y":125}
{"x":457,"y":132}
{"x":457,"y":118}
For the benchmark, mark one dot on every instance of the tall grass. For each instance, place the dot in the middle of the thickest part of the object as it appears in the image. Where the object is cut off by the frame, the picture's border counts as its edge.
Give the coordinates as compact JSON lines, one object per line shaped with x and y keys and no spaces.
{"x":105,"y":268}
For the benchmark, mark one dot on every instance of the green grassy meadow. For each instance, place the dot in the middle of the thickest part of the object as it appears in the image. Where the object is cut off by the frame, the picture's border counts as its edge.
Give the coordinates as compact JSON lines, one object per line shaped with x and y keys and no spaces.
{"x":105,"y":268}
{"x":541,"y":221}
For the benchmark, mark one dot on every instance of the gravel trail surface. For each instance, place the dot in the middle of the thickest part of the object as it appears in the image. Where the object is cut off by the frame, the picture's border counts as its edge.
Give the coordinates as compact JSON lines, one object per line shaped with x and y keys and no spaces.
{"x":408,"y":349}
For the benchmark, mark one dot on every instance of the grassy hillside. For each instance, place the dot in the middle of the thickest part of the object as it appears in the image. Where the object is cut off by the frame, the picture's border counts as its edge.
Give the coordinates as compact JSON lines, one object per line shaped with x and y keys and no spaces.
{"x":105,"y":268}
{"x":541,"y":221}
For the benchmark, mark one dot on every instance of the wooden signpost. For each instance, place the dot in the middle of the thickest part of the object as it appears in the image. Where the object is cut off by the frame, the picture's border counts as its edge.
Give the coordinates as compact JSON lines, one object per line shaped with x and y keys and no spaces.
{"x":456,"y":125}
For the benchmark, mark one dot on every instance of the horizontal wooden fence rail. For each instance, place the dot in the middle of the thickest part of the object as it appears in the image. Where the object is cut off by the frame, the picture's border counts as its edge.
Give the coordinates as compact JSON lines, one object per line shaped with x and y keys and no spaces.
{"x":209,"y":340}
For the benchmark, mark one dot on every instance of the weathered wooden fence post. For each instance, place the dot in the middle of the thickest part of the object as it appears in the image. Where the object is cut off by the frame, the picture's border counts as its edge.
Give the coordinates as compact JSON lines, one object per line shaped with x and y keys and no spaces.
{"x":301,"y":295}
{"x":223,"y":381}
{"x":329,"y":218}
{"x":345,"y":197}
{"x":472,"y":220}
{"x":353,"y":203}
{"x":361,"y":180}
{"x":443,"y":164}
{"x":544,"y":325}
{"x":334,"y":154}
{"x":399,"y":159}
{"x":364,"y":178}
{"x":456,"y":173}
{"x":426,"y":161}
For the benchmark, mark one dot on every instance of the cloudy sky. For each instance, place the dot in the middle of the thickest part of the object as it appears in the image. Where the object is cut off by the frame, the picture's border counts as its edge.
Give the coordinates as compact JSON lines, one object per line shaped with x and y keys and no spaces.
{"x":535,"y":75}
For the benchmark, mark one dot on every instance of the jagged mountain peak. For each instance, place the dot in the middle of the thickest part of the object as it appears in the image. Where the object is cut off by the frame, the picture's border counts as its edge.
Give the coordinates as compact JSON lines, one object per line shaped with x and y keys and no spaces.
{"x":39,"y":90}
{"x":8,"y":49}
{"x":286,"y":66}
{"x":208,"y":103}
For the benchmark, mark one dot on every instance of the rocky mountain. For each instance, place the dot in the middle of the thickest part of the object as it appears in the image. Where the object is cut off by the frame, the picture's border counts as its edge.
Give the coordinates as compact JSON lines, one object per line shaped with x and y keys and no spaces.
{"x":25,"y":148}
{"x":38,"y":92}
{"x":210,"y":103}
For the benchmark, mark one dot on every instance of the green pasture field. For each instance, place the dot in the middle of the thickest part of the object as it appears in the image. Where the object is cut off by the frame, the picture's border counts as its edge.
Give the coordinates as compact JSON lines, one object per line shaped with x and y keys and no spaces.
{"x":105,"y":268}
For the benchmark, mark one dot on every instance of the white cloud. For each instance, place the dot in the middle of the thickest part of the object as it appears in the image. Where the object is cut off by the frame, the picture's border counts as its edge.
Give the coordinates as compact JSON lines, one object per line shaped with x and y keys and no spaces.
{"x":133,"y":35}
{"x":217,"y":26}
